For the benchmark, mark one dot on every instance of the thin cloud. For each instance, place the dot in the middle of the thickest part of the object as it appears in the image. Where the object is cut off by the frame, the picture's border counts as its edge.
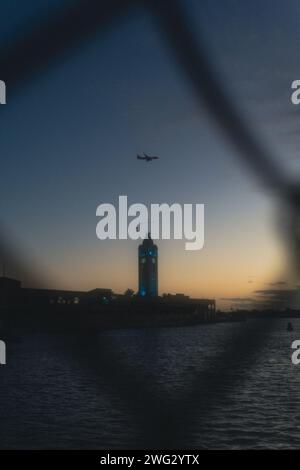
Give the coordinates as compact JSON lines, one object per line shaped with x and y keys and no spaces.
{"x":237,"y":299}
{"x":278,"y":283}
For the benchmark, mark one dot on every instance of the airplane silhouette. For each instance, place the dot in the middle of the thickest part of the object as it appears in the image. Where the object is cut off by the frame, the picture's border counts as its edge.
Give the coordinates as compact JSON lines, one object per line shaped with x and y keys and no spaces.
{"x":146,"y":157}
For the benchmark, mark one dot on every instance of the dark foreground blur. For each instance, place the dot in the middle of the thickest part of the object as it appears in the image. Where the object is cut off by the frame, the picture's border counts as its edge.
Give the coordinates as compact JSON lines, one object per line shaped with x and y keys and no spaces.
{"x":148,"y":388}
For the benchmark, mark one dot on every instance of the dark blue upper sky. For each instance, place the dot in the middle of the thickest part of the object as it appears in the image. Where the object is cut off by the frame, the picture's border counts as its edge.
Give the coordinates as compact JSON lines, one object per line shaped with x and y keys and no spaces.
{"x":70,"y":137}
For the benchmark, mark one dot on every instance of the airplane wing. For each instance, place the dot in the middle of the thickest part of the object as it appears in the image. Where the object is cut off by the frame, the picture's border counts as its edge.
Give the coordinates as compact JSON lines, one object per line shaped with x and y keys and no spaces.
{"x":149,"y":157}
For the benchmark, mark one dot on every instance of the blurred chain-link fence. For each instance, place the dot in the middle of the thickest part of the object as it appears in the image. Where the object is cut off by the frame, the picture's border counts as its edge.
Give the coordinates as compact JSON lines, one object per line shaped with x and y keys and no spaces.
{"x":163,"y":423}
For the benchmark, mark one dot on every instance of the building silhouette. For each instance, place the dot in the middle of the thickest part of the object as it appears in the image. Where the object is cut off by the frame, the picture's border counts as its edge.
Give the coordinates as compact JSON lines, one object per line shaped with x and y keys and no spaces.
{"x":101,"y":307}
{"x":148,"y":268}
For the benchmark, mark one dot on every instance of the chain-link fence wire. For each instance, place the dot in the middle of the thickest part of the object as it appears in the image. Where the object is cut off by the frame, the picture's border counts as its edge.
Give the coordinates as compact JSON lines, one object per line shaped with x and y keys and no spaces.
{"x":162,"y":423}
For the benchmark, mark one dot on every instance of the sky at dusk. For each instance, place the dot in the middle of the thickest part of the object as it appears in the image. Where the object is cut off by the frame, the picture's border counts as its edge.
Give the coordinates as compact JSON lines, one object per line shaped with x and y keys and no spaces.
{"x":69,"y":140}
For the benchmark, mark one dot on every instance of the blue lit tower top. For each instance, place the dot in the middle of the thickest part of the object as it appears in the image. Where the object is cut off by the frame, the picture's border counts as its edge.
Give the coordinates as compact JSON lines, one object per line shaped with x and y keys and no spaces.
{"x":148,"y":271}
